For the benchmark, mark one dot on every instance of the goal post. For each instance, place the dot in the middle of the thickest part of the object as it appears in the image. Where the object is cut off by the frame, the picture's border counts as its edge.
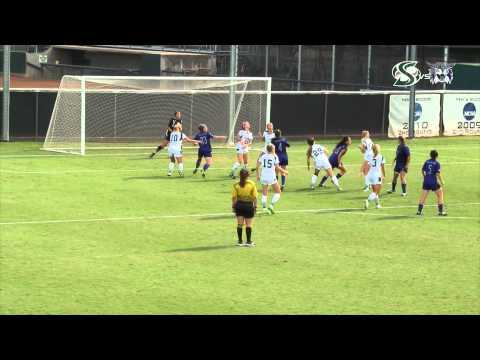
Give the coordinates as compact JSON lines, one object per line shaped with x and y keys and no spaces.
{"x":98,"y":112}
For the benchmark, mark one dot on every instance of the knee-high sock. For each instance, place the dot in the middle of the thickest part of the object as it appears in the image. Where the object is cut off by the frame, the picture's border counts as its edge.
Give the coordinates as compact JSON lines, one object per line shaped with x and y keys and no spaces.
{"x":235,"y":167}
{"x":325,"y":178}
{"x":335,"y":181}
{"x":171,"y":166}
{"x":275,"y":198}
{"x":264,"y":200}
{"x":372,"y":196}
{"x":248,"y":230}
{"x":205,"y":167}
{"x":404,"y":188}
{"x":180,"y":167}
{"x":314,"y":179}
{"x":339,"y":176}
{"x":239,"y":232}
{"x":366,"y":182}
{"x":197,"y":164}
{"x":284,"y":180}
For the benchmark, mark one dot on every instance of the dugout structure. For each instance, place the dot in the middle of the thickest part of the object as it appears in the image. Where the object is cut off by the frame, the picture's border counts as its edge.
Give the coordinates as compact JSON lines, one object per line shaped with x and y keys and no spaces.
{"x":96,"y":112}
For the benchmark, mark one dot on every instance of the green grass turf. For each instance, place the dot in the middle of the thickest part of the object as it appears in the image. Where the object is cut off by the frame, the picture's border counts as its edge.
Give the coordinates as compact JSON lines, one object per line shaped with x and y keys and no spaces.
{"x":134,"y":261}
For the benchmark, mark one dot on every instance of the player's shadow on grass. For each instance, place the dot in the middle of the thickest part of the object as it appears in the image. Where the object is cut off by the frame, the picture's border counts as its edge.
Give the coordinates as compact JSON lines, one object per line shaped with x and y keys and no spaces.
{"x":201,"y":248}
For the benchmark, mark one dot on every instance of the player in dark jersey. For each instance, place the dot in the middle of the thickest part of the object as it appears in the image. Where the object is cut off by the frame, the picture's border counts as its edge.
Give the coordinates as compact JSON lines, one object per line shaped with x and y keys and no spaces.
{"x":432,"y":181}
{"x":401,"y":161}
{"x":335,"y":158}
{"x":205,"y":147}
{"x":176,"y":119}
{"x":281,"y":145}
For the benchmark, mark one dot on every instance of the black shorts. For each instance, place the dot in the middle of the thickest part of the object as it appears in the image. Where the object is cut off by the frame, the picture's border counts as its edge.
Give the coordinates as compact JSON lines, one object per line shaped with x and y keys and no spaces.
{"x":431,"y":186}
{"x":399,"y":168}
{"x":245,"y":209}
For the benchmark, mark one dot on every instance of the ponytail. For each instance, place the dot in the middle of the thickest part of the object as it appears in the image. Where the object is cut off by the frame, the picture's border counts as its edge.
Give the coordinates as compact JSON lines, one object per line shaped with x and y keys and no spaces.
{"x":243,"y":177}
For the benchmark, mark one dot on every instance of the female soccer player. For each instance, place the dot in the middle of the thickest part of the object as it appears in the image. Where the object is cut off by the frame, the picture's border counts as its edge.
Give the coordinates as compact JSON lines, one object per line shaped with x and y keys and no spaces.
{"x":244,"y":204}
{"x":176,"y":119}
{"x":432,"y":181}
{"x":319,"y":154}
{"x":401,"y":161}
{"x":244,"y":139}
{"x":268,"y":163}
{"x":366,"y":149}
{"x":375,"y":166}
{"x":268,"y":134}
{"x":175,"y":148}
{"x":281,"y":145}
{"x":336,"y":158}
{"x":205,"y":148}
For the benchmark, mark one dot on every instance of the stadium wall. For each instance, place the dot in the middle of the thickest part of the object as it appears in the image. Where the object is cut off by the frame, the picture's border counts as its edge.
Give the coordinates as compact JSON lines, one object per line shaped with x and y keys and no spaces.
{"x":295,"y":114}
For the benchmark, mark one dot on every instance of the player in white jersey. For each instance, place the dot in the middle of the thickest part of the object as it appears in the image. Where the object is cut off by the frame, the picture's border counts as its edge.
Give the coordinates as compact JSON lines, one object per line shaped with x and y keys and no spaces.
{"x":244,"y":139}
{"x":268,"y":134}
{"x":375,"y":175}
{"x":365,"y":146}
{"x":175,"y":148}
{"x":320,"y":155}
{"x":267,"y":167}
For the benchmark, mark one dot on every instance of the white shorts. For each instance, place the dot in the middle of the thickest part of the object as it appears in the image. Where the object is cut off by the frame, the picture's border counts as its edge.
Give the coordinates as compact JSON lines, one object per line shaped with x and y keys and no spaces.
{"x":374,"y":179}
{"x":241,"y":150}
{"x":322,"y":164}
{"x":175,"y":152}
{"x":268,"y":180}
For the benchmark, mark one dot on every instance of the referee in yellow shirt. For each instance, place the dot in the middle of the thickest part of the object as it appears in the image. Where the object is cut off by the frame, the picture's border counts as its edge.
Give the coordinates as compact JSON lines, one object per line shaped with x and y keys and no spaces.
{"x":244,"y":204}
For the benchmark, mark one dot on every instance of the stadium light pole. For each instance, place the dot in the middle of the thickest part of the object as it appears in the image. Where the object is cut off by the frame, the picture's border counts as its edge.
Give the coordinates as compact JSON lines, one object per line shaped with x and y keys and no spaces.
{"x":445,"y":60}
{"x":332,"y":86}
{"x":299,"y":67}
{"x":266,"y":60}
{"x":411,"y":117}
{"x":369,"y":65}
{"x":6,"y":93}
{"x":233,"y":73}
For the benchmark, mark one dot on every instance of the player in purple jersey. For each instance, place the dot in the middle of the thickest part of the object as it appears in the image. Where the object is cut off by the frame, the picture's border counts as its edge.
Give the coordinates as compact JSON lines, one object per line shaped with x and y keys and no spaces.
{"x":205,"y":147}
{"x":335,"y":158}
{"x":281,"y":145}
{"x":432,"y":181}
{"x":401,"y":161}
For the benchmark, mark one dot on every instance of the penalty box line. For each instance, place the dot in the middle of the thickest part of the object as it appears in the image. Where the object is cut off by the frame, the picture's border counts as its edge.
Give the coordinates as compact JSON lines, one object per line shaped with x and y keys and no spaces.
{"x":213,"y":215}
{"x":213,"y":168}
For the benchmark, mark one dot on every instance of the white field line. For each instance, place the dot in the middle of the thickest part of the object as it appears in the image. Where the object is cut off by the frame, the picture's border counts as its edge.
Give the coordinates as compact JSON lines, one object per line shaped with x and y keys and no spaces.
{"x":159,"y":169}
{"x":207,"y":215}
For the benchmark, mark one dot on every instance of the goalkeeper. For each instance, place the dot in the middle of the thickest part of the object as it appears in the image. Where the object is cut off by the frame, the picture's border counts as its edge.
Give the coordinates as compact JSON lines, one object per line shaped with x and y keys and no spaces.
{"x":176,"y":119}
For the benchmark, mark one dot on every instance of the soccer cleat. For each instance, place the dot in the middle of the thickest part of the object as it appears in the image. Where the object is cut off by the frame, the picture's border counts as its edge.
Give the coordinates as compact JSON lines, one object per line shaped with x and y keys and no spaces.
{"x":444,"y":213}
{"x":419,"y":213}
{"x":181,"y":174}
{"x":365,"y":204}
{"x":390,"y":191}
{"x":169,"y":174}
{"x":378,"y":206}
{"x":312,"y":187}
{"x":339,"y":188}
{"x":250,"y":244}
{"x":322,"y":185}
{"x":366,"y":188}
{"x":271,"y":210}
{"x":239,"y":244}
{"x":282,"y":188}
{"x":404,"y":194}
{"x":195,"y":171}
{"x":152,"y":155}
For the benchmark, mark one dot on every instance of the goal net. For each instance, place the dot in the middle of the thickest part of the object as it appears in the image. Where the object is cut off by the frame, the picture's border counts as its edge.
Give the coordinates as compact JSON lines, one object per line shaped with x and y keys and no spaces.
{"x":98,"y":112}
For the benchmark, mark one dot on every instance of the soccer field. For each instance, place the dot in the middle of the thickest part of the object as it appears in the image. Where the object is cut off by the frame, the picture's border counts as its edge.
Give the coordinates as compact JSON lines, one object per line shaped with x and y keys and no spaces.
{"x":110,"y":233}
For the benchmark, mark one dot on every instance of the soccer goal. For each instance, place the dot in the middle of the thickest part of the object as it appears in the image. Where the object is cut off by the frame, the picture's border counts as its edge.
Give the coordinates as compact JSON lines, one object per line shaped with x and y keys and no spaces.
{"x":108,"y":112}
